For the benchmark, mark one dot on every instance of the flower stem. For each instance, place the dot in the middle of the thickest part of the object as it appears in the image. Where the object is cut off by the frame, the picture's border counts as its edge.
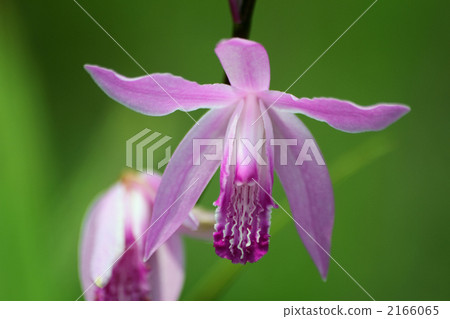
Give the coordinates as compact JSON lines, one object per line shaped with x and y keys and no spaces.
{"x":242,"y":20}
{"x":241,"y":27}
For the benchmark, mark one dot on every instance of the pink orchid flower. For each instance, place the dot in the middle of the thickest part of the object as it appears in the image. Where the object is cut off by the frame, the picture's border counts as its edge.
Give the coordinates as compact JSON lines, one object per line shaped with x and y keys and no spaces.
{"x":246,"y":109}
{"x":112,"y":263}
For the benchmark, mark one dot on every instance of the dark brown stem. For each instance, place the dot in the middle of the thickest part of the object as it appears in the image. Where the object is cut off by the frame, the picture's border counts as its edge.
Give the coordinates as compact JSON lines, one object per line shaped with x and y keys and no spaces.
{"x":241,"y":29}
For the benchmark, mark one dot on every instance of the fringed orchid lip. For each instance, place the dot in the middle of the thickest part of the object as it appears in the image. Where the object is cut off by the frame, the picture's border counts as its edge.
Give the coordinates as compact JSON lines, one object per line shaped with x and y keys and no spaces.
{"x":243,"y":211}
{"x":243,"y":220}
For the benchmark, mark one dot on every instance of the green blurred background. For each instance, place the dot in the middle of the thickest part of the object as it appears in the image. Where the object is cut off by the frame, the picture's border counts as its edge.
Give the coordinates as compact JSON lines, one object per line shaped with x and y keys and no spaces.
{"x":62,"y":140}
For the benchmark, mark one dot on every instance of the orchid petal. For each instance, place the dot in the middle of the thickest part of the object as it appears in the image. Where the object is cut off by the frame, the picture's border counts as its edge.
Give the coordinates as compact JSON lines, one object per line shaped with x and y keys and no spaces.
{"x":246,"y":64}
{"x":184,"y":181}
{"x":229,"y":152}
{"x":167,"y":266}
{"x":267,"y":179}
{"x":161,"y":93}
{"x":85,"y":255}
{"x":308,"y":189}
{"x":104,"y":237}
{"x":137,"y":216}
{"x":342,"y":115}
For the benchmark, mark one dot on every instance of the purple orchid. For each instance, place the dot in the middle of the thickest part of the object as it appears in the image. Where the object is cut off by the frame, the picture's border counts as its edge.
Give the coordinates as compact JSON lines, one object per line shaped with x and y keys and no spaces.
{"x":111,"y":254}
{"x":244,"y":110}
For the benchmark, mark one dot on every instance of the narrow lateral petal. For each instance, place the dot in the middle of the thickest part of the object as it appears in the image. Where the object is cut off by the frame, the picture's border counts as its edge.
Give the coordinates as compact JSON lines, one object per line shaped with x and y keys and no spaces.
{"x":266,"y":178}
{"x":246,"y":64}
{"x":308,"y":189}
{"x":161,"y":93}
{"x":342,"y":115}
{"x":185,"y":179}
{"x":167,"y":266}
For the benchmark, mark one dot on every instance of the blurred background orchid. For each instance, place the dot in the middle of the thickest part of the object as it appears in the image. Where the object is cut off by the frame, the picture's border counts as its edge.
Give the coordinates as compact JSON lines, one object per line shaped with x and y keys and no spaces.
{"x":111,"y":252}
